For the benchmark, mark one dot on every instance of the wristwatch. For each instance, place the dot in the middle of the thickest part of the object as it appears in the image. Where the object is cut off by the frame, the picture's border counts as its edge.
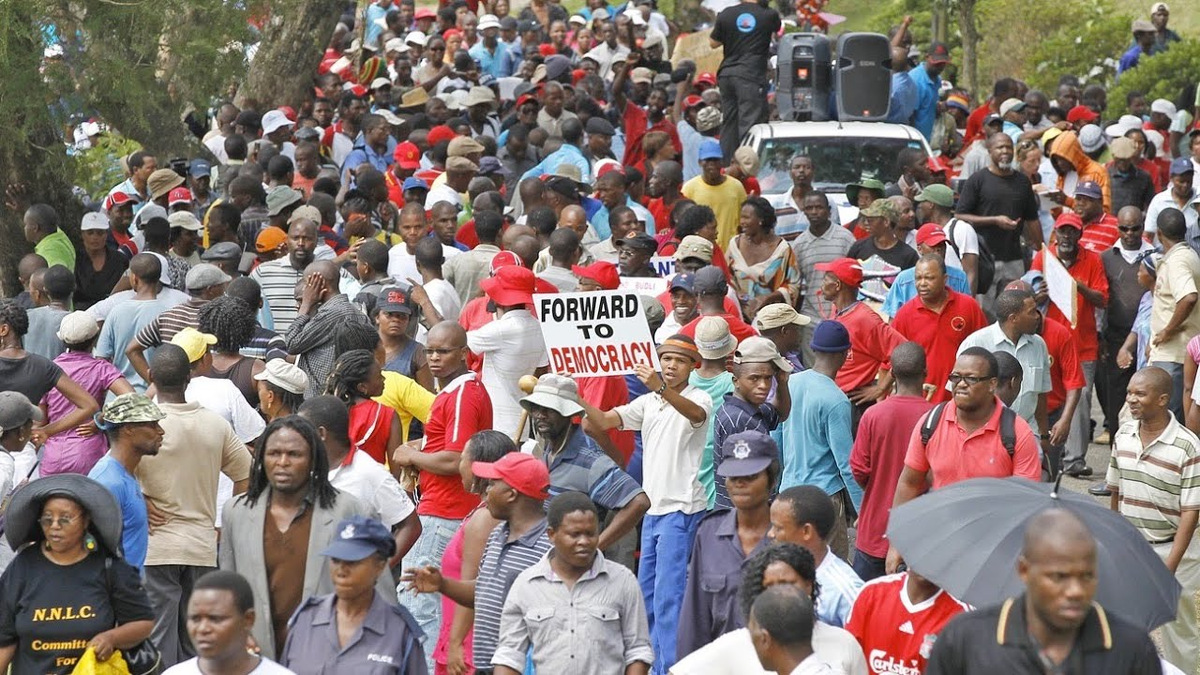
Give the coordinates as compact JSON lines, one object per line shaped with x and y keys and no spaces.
{"x":662,"y":390}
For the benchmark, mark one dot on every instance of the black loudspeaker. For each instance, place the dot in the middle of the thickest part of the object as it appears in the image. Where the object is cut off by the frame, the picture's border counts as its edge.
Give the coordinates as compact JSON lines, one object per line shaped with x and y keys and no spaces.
{"x":863,"y":77}
{"x":805,"y":71}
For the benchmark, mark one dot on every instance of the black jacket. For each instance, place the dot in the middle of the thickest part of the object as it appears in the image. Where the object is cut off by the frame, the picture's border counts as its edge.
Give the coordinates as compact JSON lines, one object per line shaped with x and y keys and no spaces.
{"x":996,"y":641}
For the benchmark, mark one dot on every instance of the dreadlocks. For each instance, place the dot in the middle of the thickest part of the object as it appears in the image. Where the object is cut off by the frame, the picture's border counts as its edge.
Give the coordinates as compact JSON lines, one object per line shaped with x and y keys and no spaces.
{"x":230,"y":320}
{"x":349,"y":371}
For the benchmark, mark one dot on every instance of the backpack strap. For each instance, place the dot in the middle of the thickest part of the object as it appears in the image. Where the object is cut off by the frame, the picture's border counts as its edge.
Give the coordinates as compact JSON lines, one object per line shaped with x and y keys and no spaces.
{"x":1008,"y":430}
{"x":931,"y":422}
{"x":950,"y":237}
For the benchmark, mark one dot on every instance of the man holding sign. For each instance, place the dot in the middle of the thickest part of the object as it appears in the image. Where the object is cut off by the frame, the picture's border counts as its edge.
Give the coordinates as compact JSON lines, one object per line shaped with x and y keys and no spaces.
{"x":1091,"y":286}
{"x":673,"y":419}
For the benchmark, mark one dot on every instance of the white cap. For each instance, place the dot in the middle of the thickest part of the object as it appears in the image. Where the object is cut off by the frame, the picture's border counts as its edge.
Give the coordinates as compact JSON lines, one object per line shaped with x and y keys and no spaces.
{"x":185,"y":219}
{"x":93,"y":221}
{"x":635,"y":15}
{"x":78,"y":327}
{"x":389,"y":117}
{"x":488,"y":21}
{"x":274,"y":120}
{"x":654,"y":37}
{"x":284,"y":375}
{"x":416,"y":37}
{"x":395,"y":45}
{"x":1162,"y":105}
{"x":380,"y":82}
{"x":1122,"y":125}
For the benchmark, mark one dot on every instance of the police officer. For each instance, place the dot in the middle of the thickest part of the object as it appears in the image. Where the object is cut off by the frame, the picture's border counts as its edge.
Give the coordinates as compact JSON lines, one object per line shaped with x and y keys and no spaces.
{"x":354,"y":629}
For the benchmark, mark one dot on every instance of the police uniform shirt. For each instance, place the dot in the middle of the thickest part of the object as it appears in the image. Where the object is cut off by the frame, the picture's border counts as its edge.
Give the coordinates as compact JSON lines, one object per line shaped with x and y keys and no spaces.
{"x":388,"y":642}
{"x":51,"y":612}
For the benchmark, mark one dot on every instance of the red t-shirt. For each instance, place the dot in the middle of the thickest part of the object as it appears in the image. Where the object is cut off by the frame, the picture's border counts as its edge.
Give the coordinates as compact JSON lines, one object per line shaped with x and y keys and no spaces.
{"x":871,"y":345}
{"x":1101,"y":235}
{"x":635,"y":120}
{"x":395,"y":188}
{"x":896,"y":635}
{"x":940,"y":334}
{"x":1065,"y":372}
{"x":606,"y":393}
{"x":1088,"y":270}
{"x":752,"y":187}
{"x":740,"y":329}
{"x":661,"y":213}
{"x":975,"y":120}
{"x":877,"y":460}
{"x":472,"y":316}
{"x":370,"y":429}
{"x":461,"y":409}
{"x":466,"y":234}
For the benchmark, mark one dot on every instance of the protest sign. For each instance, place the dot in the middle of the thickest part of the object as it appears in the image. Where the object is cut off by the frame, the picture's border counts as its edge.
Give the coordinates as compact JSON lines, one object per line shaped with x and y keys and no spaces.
{"x":1061,"y":286}
{"x":664,"y":265}
{"x":595,"y":334}
{"x":695,"y":46}
{"x":652,"y":286}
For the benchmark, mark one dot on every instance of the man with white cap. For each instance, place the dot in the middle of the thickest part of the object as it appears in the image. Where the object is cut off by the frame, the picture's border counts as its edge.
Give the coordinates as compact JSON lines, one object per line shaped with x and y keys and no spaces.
{"x":100,"y":267}
{"x":481,"y":103}
{"x":1128,"y":183}
{"x":493,"y":57}
{"x":1144,"y":36}
{"x":1163,"y":37}
{"x":576,"y":462}
{"x":277,"y":128}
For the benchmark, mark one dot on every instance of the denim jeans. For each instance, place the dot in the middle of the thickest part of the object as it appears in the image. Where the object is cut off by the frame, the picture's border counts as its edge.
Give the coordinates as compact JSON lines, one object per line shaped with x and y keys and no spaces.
{"x":426,"y":608}
{"x":666,"y":543}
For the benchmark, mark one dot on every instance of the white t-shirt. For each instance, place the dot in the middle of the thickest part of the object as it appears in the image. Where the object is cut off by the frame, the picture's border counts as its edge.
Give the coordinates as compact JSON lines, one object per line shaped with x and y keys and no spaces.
{"x":367,"y":480}
{"x":192,"y":667}
{"x":733,"y":654}
{"x":511,"y":346}
{"x":445,"y":299}
{"x":671,"y":471}
{"x":966,"y":240}
{"x":17,"y":468}
{"x":402,"y":265}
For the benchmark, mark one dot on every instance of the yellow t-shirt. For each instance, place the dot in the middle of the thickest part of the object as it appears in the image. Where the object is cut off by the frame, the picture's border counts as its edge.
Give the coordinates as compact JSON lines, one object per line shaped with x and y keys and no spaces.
{"x":725,"y":200}
{"x":407,"y":398}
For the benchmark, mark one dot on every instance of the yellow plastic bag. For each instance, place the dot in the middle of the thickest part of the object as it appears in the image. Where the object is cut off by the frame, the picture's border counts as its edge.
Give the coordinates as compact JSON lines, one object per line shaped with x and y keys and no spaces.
{"x":89,"y":665}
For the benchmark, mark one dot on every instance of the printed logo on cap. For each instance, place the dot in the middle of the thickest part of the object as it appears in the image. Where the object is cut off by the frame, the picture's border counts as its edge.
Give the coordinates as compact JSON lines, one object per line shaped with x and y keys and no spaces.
{"x":348,"y":532}
{"x":741,"y":450}
{"x":396,"y":297}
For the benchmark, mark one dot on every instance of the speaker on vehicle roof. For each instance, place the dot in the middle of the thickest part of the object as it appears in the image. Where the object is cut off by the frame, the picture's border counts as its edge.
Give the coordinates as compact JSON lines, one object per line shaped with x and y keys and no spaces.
{"x":805,"y":71}
{"x":863,"y":77}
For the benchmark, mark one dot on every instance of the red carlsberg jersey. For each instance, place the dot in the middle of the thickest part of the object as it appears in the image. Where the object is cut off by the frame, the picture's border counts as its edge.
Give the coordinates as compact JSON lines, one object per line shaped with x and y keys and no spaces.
{"x":896,"y":635}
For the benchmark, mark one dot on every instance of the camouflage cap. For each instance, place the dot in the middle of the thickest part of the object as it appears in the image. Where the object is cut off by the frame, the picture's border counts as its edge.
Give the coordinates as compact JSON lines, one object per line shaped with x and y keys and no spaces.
{"x":882,"y":208}
{"x":130,"y":409}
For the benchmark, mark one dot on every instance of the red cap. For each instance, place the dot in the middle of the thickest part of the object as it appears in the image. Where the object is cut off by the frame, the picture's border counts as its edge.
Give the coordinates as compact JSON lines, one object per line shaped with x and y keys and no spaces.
{"x":546,"y":50}
{"x":609,"y":167}
{"x":503,"y":259}
{"x":931,"y":234}
{"x":706,"y":78}
{"x":692,"y":101}
{"x":117,"y":199}
{"x":1081,"y":113}
{"x":523,"y":472}
{"x":179,"y":195}
{"x":510,"y":286}
{"x":407,"y":155}
{"x":289,"y":112}
{"x":847,"y":270}
{"x":358,"y":90}
{"x":577,"y":75}
{"x":424,"y":13}
{"x":937,"y":164}
{"x":438,"y":134}
{"x":1069,"y":219}
{"x":603,"y":273}
{"x":451,"y":32}
{"x":526,"y":98}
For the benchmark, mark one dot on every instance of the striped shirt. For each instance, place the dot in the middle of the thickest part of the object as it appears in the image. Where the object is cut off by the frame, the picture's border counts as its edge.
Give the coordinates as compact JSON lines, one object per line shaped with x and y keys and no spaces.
{"x":166,"y":325}
{"x":839,"y":585}
{"x":265,"y":345}
{"x":580,"y":466}
{"x":736,"y":415}
{"x":278,"y":281}
{"x":1157,"y":483}
{"x":502,"y":561}
{"x":811,"y":250}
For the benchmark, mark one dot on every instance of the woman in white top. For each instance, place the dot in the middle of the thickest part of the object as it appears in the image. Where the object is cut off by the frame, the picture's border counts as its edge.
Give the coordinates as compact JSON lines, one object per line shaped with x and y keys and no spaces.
{"x":733,"y":653}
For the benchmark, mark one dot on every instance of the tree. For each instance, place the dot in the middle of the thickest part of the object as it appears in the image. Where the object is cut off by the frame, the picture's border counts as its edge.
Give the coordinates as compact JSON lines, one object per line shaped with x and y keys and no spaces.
{"x":293,"y":42}
{"x":1163,"y":75}
{"x":969,"y":32}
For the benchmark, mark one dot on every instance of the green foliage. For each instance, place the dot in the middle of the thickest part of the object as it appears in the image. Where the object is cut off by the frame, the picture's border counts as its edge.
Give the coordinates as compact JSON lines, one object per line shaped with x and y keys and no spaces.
{"x":98,"y":168}
{"x":1088,"y":49}
{"x":1163,"y":75}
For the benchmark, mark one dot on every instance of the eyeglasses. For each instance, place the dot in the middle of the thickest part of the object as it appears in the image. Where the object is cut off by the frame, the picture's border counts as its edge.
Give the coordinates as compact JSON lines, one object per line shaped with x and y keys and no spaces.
{"x":971,"y":380}
{"x":63,"y":521}
{"x":1131,"y":228}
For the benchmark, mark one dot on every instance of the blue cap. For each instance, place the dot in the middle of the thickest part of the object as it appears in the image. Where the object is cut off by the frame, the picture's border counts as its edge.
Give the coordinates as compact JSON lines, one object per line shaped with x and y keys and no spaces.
{"x":746,"y":453}
{"x":414,"y":183}
{"x":830,"y":337}
{"x":685,"y":281}
{"x":710,"y":148}
{"x":200,"y":168}
{"x":1181,"y":165}
{"x":359,"y":537}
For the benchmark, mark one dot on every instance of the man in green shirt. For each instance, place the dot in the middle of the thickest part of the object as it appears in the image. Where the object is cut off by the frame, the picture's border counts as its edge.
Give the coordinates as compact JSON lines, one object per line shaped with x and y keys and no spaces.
{"x":41,"y":230}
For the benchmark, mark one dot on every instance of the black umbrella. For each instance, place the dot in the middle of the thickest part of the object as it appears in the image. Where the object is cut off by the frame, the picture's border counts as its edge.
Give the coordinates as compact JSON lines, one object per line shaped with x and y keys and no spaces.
{"x":967,"y":537}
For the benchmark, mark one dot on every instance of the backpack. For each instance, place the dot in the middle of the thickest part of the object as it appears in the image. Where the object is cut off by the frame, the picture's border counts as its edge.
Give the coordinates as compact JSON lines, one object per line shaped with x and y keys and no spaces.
{"x":985,"y":268}
{"x":1008,"y":427}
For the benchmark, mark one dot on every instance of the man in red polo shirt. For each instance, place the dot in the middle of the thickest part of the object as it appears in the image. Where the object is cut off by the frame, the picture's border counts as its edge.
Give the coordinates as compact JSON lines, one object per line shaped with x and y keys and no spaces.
{"x":1100,"y":231}
{"x":938,"y":319}
{"x":967,"y":440}
{"x":1092,"y":287}
{"x":871,"y":340}
{"x":461,"y":408}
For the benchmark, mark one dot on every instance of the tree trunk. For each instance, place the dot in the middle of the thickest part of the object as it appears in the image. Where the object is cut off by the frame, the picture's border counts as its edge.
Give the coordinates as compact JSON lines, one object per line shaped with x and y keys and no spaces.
{"x":292,"y":45}
{"x":970,"y":46}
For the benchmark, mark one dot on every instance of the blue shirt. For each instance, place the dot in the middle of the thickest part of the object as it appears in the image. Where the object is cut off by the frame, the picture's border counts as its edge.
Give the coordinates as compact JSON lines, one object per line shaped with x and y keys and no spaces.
{"x":840,"y":586}
{"x":904,"y":288}
{"x":582,"y":467}
{"x":1129,"y":59}
{"x":365,"y":154}
{"x":599,"y":219}
{"x":498,"y":64}
{"x":119,"y":329}
{"x":928,"y":89}
{"x":734,"y":416}
{"x":1014,"y":132}
{"x":816,"y":437}
{"x":567,"y":154}
{"x":135,"y":526}
{"x":904,"y":99}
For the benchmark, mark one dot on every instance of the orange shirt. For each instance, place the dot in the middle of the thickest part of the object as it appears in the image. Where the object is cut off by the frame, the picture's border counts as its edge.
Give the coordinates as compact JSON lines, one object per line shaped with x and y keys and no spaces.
{"x":871,"y":345}
{"x":954,"y":455}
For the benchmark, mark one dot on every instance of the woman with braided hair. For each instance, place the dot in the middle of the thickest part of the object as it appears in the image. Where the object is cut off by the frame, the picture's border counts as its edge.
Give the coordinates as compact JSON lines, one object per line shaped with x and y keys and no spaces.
{"x":374,"y":428}
{"x":232,"y":322}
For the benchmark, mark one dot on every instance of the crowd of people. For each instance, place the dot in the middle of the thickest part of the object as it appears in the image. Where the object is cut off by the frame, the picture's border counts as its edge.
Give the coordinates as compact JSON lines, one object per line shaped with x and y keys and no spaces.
{"x":287,"y":406}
